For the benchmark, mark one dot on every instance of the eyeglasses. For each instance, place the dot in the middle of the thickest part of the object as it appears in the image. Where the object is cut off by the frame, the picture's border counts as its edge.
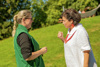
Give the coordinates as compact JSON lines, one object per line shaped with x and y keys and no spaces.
{"x":62,"y":20}
{"x":29,"y":18}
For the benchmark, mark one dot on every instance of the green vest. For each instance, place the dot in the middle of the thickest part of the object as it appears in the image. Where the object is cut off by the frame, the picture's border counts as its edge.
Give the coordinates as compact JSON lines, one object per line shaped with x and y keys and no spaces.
{"x":21,"y":62}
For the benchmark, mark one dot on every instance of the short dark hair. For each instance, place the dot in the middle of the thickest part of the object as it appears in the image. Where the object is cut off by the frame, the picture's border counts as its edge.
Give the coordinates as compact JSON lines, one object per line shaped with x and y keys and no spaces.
{"x":72,"y":14}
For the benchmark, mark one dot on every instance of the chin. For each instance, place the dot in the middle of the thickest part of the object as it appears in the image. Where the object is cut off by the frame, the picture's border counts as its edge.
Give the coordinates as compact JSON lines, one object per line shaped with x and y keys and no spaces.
{"x":29,"y":27}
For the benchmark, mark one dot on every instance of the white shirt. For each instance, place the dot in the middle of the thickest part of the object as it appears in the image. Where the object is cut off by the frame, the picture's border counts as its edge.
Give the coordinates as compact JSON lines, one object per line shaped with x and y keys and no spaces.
{"x":74,"y":48}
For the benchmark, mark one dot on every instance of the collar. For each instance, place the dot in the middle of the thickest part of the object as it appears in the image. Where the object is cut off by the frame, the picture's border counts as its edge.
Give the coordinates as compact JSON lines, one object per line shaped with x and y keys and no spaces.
{"x":74,"y":29}
{"x":22,"y":27}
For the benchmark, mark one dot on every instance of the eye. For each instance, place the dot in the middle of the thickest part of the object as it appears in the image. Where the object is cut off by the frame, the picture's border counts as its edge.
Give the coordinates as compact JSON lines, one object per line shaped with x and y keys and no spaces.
{"x":29,"y":18}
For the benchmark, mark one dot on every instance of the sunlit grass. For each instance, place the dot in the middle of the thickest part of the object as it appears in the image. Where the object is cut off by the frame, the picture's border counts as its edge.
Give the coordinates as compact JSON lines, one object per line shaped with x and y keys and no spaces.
{"x":47,"y":36}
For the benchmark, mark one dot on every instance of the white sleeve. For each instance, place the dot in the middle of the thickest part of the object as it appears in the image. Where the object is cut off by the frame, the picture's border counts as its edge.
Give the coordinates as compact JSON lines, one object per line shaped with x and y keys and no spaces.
{"x":83,"y":40}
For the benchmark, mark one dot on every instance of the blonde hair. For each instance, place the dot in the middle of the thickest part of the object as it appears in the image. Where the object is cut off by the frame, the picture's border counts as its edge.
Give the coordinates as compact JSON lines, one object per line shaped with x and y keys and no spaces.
{"x":18,"y":19}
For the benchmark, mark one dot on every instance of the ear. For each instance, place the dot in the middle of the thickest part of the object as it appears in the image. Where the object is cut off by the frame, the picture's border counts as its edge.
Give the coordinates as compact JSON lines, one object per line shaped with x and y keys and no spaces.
{"x":23,"y":20}
{"x":71,"y":21}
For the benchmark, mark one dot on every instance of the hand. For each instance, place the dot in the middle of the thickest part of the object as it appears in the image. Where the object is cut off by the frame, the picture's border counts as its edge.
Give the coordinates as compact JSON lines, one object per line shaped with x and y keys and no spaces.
{"x":44,"y":50}
{"x":85,"y":65}
{"x":60,"y":35}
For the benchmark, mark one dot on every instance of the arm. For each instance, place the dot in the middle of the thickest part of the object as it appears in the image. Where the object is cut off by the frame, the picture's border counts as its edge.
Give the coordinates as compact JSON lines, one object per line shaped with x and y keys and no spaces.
{"x":37,"y":53}
{"x":60,"y":35}
{"x":86,"y":58}
{"x":26,"y":45}
{"x":84,"y":45}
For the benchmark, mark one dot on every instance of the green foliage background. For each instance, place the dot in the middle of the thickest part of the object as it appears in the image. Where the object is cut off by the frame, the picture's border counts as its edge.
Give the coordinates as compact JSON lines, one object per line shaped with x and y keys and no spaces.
{"x":44,"y":12}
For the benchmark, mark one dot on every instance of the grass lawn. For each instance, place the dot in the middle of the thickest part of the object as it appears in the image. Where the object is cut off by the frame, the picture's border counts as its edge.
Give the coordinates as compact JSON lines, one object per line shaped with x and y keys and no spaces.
{"x":47,"y":36}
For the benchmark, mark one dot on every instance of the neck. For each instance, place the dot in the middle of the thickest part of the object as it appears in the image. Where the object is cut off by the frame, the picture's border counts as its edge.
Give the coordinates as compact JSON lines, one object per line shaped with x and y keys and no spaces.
{"x":71,"y":28}
{"x":23,"y":25}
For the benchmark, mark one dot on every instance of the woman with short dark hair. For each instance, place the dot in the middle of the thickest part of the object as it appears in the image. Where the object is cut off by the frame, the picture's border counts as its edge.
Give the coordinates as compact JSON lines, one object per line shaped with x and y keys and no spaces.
{"x":77,"y":48}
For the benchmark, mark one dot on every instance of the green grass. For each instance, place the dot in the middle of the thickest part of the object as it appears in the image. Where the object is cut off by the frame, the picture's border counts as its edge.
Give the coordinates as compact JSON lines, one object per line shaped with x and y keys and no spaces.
{"x":47,"y":36}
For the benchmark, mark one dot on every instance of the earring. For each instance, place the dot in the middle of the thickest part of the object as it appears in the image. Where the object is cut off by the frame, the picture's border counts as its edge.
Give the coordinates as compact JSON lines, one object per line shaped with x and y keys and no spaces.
{"x":72,"y":25}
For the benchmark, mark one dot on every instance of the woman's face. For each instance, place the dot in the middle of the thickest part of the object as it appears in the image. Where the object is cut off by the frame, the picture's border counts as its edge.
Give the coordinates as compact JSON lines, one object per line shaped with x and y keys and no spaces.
{"x":66,"y":22}
{"x":28,"y":22}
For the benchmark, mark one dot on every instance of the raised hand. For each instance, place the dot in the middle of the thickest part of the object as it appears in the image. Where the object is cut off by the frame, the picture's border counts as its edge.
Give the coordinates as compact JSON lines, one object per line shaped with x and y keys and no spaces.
{"x":44,"y":50}
{"x":60,"y":35}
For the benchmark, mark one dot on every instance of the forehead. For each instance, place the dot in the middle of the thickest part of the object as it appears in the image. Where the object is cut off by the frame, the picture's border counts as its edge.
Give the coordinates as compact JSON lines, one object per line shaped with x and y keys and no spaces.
{"x":64,"y":18}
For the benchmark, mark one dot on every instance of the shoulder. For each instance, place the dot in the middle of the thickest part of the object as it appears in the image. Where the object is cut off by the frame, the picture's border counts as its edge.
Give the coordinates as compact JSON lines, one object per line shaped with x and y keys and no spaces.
{"x":20,"y":32}
{"x":23,"y":35}
{"x":22,"y":38}
{"x":81,"y":30}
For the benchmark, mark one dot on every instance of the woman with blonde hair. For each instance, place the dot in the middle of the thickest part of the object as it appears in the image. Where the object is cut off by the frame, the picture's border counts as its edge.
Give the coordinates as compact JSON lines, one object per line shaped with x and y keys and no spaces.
{"x":27,"y":51}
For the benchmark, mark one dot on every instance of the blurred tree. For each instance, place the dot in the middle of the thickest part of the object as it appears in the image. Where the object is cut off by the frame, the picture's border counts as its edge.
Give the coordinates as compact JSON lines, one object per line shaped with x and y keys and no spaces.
{"x":82,"y":4}
{"x":53,"y":9}
{"x":39,"y":16}
{"x":45,"y":12}
{"x":8,"y":8}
